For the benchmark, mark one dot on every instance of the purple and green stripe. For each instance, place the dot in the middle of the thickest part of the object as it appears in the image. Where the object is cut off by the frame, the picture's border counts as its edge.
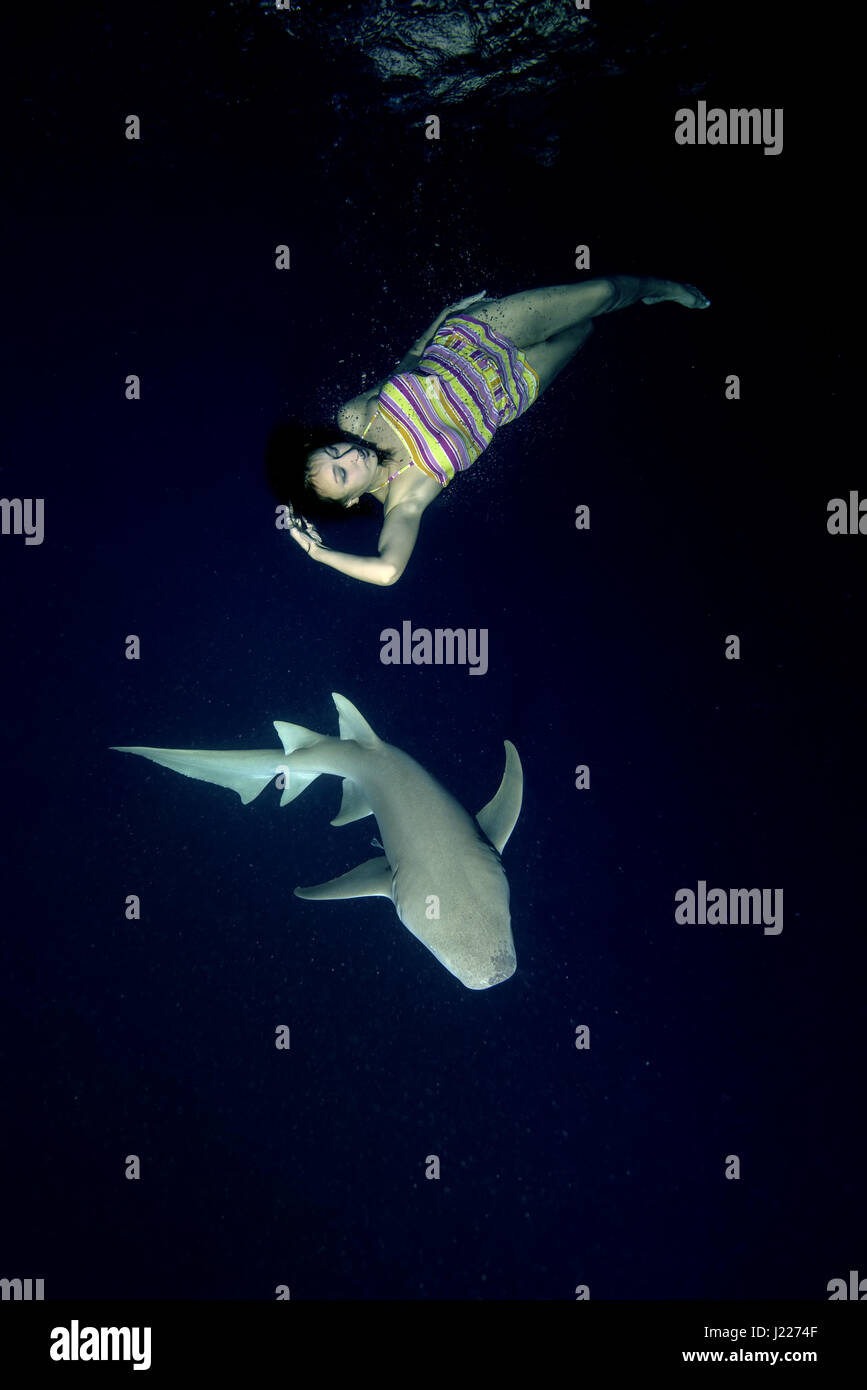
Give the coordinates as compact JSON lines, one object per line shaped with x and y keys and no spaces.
{"x":483,"y":382}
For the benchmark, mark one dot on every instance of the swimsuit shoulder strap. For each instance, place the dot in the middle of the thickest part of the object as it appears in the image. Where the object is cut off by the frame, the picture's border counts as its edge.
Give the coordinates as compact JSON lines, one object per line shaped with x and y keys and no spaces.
{"x":399,"y":471}
{"x":392,"y":477}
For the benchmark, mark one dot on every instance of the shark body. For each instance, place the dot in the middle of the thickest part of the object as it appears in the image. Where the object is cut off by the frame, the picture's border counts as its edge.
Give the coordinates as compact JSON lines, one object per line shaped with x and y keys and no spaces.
{"x":440,"y":866}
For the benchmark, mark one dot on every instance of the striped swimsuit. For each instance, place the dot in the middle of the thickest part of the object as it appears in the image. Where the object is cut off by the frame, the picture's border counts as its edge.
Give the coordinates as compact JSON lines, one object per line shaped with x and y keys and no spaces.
{"x":470,"y":381}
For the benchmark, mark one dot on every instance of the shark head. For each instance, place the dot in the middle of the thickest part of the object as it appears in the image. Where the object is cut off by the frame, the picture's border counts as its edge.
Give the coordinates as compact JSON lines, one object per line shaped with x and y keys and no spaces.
{"x":501,"y":965}
{"x":466,"y":923}
{"x":478,"y":967}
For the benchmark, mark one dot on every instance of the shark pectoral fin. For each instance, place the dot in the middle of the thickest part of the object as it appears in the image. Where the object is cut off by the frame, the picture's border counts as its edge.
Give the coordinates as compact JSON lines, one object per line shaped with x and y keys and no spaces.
{"x":498,"y":818}
{"x":354,"y":804}
{"x":352,"y":724}
{"x":372,"y":879}
{"x":243,"y":772}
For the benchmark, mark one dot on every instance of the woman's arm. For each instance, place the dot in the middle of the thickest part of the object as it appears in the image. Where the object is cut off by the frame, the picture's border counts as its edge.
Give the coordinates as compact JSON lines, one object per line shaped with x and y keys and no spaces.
{"x":410,"y":358}
{"x":416,"y":351}
{"x":407,"y":362}
{"x":396,"y":542}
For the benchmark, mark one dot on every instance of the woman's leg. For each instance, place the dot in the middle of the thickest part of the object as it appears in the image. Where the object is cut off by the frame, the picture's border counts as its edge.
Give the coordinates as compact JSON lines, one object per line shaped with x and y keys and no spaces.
{"x":532,"y":316}
{"x":550,"y":357}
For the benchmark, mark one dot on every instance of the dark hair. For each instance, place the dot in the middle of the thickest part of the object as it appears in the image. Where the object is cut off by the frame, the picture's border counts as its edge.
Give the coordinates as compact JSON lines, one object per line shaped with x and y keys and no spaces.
{"x":287,"y":465}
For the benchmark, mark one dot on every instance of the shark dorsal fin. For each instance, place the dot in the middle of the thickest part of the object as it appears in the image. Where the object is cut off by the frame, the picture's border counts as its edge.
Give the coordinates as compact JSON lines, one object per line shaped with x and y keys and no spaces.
{"x":352,"y":724}
{"x":293,"y":736}
{"x":498,"y":818}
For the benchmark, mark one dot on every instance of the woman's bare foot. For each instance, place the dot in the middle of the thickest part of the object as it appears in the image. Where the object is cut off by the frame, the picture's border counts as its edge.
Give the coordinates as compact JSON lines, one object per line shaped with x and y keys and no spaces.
{"x":687,"y":295}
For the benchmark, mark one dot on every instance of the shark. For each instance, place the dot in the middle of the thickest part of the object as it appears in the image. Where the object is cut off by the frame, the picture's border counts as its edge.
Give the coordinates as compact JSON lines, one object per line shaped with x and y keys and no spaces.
{"x":440,"y":866}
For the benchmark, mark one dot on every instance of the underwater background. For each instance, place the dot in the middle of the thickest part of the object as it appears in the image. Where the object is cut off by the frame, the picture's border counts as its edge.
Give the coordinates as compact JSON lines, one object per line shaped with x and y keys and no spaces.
{"x":155,"y":1037}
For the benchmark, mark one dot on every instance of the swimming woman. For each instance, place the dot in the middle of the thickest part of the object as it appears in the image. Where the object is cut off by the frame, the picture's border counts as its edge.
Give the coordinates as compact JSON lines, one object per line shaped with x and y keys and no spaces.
{"x":404,"y":439}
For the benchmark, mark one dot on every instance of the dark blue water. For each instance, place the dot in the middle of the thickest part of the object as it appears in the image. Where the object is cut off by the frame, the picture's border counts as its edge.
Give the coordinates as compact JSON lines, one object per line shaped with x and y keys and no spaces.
{"x":306,"y":1168}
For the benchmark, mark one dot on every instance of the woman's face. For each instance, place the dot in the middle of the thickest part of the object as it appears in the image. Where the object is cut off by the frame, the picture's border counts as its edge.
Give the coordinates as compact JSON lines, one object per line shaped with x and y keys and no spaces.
{"x":343,"y":472}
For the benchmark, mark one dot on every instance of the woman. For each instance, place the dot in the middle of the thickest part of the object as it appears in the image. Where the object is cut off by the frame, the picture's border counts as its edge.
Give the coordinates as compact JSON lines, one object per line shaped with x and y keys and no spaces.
{"x":403,"y":440}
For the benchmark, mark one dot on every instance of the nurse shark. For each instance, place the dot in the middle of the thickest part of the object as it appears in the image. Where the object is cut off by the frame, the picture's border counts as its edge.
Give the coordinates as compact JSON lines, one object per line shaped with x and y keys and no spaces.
{"x":440,"y":866}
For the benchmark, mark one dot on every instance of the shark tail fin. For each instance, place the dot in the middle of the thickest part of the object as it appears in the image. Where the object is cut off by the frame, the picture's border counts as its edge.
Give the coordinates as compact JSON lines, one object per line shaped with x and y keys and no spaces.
{"x":294,"y":736}
{"x":354,"y":725}
{"x":246,"y":773}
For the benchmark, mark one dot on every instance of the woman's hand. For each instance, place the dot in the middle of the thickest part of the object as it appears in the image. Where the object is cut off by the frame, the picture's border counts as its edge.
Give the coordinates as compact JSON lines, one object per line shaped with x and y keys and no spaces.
{"x":417,"y":350}
{"x":465,"y":303}
{"x":302,"y":531}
